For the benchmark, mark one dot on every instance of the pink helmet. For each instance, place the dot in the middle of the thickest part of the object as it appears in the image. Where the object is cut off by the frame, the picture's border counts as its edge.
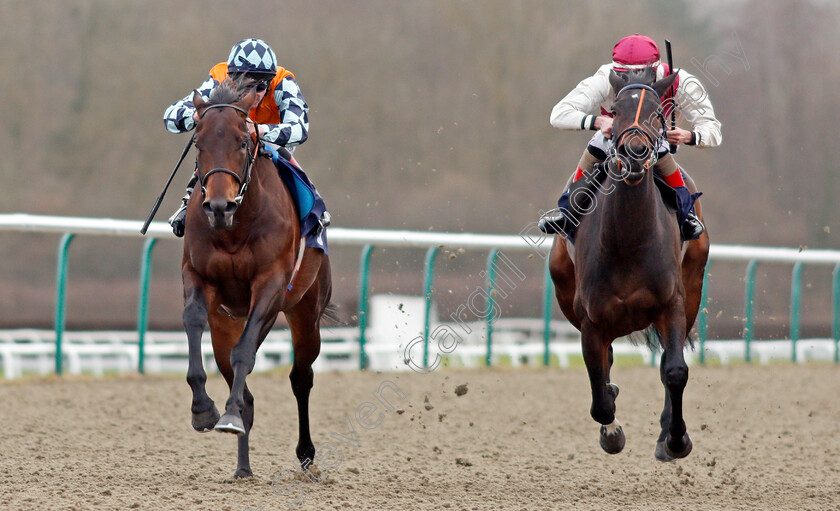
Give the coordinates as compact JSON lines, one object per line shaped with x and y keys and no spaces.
{"x":635,"y":52}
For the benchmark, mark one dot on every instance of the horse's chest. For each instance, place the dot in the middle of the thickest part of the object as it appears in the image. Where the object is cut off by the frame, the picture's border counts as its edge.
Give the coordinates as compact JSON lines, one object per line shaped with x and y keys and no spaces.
{"x":618,"y":298}
{"x":227,"y":269}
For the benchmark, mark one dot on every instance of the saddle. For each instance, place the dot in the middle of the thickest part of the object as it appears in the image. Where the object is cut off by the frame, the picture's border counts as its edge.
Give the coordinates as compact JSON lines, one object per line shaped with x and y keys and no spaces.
{"x":308,"y":202}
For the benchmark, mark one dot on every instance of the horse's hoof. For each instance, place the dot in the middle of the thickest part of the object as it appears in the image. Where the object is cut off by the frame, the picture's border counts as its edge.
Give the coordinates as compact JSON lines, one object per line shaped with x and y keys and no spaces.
{"x":206,"y":420}
{"x":306,"y":455}
{"x":661,"y":453}
{"x":676,"y":452}
{"x":230,"y":424}
{"x":243,"y":473}
{"x":612,"y":388}
{"x":612,"y":438}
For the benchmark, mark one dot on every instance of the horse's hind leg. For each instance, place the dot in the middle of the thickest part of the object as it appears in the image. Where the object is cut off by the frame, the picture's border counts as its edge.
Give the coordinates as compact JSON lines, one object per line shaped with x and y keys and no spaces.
{"x":243,"y":462}
{"x":598,"y":358}
{"x":694,"y":265}
{"x":204,"y":412}
{"x":673,"y":441}
{"x":306,"y":340}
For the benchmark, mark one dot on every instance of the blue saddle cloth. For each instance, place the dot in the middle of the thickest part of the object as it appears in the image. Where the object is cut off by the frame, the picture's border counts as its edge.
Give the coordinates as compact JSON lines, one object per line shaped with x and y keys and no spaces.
{"x":309,"y":204}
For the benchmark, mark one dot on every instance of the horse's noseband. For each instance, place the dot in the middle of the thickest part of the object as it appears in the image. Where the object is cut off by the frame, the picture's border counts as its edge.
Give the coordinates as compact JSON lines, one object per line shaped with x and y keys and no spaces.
{"x":651,"y":143}
{"x":242,"y":182}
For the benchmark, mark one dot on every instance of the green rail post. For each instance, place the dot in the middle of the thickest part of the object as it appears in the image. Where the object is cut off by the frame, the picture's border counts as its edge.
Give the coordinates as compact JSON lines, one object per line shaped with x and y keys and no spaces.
{"x":795,"y":292}
{"x":491,"y":303}
{"x":548,"y":286}
{"x":143,"y":303}
{"x":749,"y":293}
{"x":364,"y":277}
{"x":835,"y":300}
{"x":428,"y":279}
{"x":60,"y":299}
{"x":703,"y":315}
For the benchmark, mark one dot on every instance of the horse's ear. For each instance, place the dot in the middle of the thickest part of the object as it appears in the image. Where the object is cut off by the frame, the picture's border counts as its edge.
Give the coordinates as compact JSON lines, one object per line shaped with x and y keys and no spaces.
{"x":197,"y":100}
{"x":662,"y":86}
{"x":617,"y":80}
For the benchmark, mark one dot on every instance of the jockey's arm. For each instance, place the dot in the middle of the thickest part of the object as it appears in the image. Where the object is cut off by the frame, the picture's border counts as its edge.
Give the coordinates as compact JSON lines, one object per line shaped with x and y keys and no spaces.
{"x":694,"y":106}
{"x":179,"y":117}
{"x":573,"y":111}
{"x":293,"y":110}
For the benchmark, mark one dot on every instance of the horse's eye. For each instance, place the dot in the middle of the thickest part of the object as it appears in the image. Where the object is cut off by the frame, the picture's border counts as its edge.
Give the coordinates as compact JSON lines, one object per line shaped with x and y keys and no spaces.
{"x":244,"y":144}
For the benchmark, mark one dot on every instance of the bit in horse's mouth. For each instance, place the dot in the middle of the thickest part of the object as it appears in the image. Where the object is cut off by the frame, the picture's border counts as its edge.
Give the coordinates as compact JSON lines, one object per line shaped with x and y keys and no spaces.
{"x":634,"y":177}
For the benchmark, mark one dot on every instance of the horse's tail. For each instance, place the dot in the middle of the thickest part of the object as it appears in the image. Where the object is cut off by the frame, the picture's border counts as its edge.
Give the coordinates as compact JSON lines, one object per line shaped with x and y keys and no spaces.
{"x":331,"y":314}
{"x":653,"y":338}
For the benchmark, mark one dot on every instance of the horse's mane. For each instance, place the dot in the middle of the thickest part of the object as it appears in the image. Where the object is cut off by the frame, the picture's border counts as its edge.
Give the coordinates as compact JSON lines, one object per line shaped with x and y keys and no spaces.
{"x":226,"y":93}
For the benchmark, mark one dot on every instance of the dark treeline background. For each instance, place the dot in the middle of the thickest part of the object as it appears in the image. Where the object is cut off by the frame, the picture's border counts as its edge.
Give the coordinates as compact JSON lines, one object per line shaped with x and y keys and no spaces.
{"x":425,"y":115}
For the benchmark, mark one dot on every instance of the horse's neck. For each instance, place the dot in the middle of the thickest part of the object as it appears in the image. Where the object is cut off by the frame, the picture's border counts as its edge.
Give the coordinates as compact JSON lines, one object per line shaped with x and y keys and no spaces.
{"x":263,"y":207}
{"x":267,"y":197}
{"x":630,"y":217}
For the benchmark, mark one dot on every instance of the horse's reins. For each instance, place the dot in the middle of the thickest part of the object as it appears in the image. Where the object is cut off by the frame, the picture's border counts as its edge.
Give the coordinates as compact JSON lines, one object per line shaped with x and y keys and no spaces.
{"x":242,"y":182}
{"x":636,"y":127}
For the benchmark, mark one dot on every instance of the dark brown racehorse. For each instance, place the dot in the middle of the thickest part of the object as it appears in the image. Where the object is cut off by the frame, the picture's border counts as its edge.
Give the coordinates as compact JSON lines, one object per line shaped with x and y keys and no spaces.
{"x":627,"y":270}
{"x":240,"y":246}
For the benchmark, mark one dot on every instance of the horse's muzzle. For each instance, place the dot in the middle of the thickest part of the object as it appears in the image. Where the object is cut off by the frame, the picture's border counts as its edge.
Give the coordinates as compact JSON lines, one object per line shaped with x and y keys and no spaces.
{"x":220,"y":212}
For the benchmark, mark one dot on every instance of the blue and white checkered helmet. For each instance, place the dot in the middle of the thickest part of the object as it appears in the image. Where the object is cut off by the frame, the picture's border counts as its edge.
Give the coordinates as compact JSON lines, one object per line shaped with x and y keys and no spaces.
{"x":252,"y":56}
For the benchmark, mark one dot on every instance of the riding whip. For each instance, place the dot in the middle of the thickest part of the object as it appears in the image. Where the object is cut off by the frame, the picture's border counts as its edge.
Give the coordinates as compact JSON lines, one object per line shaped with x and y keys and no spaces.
{"x":160,"y":198}
{"x":673,"y":148}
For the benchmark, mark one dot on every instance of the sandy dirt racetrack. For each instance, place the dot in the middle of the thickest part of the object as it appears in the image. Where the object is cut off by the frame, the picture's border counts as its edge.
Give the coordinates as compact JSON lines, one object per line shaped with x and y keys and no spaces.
{"x":764,"y":438}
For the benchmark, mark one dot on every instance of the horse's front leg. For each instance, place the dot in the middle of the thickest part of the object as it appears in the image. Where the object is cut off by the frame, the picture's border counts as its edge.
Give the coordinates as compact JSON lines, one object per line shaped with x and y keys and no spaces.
{"x":673,"y":441}
{"x":266,"y":303}
{"x":204,"y":412}
{"x":562,"y":271}
{"x":597,"y":354}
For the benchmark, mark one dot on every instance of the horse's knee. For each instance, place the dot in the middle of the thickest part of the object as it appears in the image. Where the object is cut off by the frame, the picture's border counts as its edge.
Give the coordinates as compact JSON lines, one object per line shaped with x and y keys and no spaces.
{"x":195,"y":314}
{"x":677,"y":375}
{"x":242,"y":356}
{"x":196,"y":377}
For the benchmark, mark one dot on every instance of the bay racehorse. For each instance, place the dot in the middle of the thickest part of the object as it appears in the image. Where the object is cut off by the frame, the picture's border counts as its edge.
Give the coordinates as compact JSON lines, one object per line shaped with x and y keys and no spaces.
{"x":628,"y":270}
{"x":241,"y":243}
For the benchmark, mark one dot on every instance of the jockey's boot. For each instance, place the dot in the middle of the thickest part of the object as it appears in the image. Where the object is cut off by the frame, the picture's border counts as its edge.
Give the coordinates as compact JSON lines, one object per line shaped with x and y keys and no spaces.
{"x":566,"y":218}
{"x":690,"y":225}
{"x":177,"y":221}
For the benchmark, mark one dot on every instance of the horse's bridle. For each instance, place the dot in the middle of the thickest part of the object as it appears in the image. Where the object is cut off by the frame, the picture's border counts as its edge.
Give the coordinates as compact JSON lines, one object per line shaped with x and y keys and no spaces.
{"x":242,"y":182}
{"x":650,"y":142}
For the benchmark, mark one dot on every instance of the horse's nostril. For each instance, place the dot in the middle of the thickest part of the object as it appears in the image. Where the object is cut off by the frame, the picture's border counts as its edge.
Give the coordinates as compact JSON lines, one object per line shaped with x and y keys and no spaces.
{"x":207,"y":208}
{"x":231,"y":207}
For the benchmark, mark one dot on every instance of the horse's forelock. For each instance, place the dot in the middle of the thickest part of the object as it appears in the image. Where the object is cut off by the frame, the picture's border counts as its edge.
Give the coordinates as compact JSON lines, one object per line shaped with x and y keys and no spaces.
{"x":227,"y":92}
{"x":644,"y":76}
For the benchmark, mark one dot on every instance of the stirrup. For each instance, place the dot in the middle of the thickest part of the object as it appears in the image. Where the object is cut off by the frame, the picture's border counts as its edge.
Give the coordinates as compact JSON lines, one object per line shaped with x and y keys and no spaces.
{"x":553,"y":223}
{"x":325,"y":219}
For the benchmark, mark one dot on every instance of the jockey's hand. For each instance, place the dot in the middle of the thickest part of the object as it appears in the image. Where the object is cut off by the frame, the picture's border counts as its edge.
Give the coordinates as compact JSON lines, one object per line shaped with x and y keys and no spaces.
{"x":604,"y":125}
{"x":679,"y":136}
